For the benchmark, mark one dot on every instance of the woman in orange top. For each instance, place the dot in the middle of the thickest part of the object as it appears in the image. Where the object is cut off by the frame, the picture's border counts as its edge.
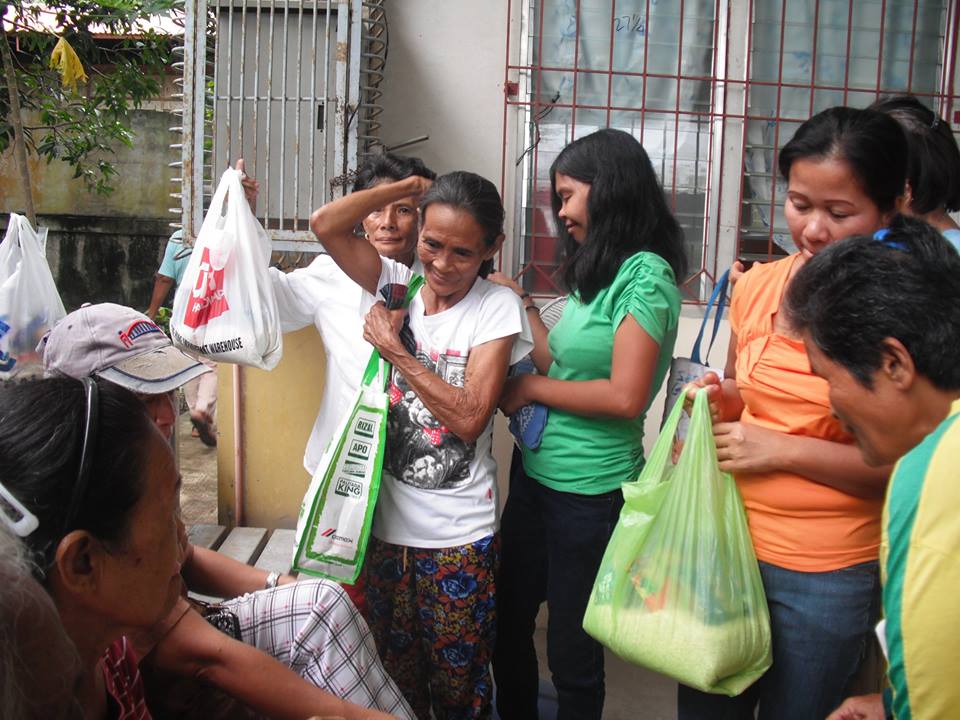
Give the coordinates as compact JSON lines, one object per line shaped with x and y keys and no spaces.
{"x":813,"y":506}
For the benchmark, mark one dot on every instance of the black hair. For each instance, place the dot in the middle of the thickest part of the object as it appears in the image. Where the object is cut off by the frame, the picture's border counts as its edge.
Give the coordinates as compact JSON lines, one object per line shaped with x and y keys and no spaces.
{"x":626,"y":208}
{"x":41,"y":438}
{"x":390,"y":167}
{"x":871,"y":143}
{"x":475,"y":195}
{"x":858,"y":291}
{"x":933,"y":168}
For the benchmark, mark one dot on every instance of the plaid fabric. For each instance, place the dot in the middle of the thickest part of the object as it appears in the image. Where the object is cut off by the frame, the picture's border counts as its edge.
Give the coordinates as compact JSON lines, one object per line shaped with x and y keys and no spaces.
{"x":124,"y":684}
{"x":312,"y":627}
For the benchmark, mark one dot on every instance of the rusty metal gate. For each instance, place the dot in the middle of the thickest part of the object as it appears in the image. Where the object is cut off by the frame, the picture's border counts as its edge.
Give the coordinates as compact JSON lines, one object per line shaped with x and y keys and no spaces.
{"x":291,"y":86}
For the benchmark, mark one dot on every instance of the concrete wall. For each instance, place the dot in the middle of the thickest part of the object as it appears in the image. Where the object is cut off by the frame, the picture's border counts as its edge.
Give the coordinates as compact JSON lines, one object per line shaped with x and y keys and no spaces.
{"x":142,"y":184}
{"x":103,"y":247}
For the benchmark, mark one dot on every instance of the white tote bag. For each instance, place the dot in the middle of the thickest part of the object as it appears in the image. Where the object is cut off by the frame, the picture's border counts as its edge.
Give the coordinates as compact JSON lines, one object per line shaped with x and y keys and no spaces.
{"x":29,"y":302}
{"x":225,"y":308}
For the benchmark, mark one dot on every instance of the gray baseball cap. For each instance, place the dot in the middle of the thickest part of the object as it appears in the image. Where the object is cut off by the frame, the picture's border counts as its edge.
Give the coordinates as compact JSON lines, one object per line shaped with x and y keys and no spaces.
{"x":120,"y":345}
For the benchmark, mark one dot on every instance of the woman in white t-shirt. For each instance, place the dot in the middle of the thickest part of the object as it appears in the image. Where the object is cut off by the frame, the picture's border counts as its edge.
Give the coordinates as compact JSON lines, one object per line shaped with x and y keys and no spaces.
{"x":322,"y":295}
{"x":430,"y":563}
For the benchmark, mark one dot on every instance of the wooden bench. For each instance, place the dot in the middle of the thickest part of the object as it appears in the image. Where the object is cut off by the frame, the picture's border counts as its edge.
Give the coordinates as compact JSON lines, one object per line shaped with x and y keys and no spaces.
{"x":269,"y":550}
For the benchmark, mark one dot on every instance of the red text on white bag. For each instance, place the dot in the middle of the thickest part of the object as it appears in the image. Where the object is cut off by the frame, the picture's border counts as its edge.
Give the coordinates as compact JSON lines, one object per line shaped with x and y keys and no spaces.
{"x":207,"y":300}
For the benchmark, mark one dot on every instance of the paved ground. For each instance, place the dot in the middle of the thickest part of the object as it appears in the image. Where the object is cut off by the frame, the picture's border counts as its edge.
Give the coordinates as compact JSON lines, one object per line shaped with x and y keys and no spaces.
{"x":198,"y":469}
{"x":632,"y":692}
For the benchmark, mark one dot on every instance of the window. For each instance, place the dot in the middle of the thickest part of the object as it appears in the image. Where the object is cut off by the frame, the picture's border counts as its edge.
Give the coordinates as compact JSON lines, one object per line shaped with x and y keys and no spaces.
{"x":712,"y":89}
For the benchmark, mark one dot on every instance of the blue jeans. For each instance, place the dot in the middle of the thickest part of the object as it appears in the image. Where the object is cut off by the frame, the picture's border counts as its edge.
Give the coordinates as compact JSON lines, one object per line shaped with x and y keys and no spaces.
{"x":551,"y":546}
{"x":820,"y":624}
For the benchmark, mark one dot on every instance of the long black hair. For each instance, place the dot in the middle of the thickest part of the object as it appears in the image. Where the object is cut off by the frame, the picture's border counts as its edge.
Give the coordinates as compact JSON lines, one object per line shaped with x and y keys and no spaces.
{"x":933,"y":168}
{"x":871,"y":143}
{"x":627,"y":211}
{"x":42,"y":425}
{"x":475,"y":195}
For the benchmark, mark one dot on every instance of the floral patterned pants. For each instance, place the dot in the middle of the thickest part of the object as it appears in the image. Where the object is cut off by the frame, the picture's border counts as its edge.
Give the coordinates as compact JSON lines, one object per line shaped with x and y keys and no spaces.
{"x":432,"y":616}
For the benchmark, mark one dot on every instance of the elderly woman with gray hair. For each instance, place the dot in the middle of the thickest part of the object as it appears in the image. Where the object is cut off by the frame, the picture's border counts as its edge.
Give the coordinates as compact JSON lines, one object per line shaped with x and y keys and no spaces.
{"x":38,"y":662}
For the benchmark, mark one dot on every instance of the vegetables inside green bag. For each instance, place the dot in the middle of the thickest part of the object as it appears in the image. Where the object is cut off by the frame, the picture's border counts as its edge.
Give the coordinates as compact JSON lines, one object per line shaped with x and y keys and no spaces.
{"x":679,"y":588}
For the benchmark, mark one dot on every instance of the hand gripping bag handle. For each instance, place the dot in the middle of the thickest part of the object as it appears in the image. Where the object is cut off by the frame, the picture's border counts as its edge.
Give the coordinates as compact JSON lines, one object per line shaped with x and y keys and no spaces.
{"x":663,"y":447}
{"x":223,"y":203}
{"x":378,"y":369}
{"x":716,"y":302}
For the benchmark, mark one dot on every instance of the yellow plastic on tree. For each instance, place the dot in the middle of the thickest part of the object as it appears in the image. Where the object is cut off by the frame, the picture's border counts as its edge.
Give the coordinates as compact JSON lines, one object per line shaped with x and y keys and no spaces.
{"x":65,"y":60}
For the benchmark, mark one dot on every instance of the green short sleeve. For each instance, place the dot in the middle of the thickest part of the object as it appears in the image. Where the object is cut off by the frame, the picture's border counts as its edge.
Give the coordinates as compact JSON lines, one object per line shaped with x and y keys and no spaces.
{"x":645,"y":288}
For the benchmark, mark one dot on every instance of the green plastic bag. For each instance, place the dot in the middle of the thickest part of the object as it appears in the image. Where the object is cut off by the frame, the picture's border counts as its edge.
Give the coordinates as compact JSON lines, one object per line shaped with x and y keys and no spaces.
{"x":335,"y":517}
{"x":333,"y":526}
{"x":679,"y":588}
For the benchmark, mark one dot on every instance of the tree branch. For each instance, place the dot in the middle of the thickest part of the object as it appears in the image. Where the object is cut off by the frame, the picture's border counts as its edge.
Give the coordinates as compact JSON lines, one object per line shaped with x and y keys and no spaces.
{"x":19,"y":146}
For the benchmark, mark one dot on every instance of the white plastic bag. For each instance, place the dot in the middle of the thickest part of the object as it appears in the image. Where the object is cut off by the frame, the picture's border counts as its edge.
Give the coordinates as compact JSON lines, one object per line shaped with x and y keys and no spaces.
{"x":29,"y":302}
{"x":225,"y":308}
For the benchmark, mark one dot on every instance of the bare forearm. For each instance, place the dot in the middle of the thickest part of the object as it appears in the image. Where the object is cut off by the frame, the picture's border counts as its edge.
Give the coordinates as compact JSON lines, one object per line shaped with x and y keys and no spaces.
{"x":462,"y":410}
{"x":268,"y":687}
{"x":194,"y":648}
{"x":334,"y":224}
{"x":590,"y":398}
{"x":541,"y":349}
{"x":161,"y":288}
{"x":210,"y":573}
{"x":835,"y":464}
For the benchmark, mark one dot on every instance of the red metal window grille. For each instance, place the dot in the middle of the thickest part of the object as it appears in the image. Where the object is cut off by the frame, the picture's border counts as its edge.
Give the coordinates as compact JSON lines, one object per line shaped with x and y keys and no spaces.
{"x":806,"y":57}
{"x":713,"y":89}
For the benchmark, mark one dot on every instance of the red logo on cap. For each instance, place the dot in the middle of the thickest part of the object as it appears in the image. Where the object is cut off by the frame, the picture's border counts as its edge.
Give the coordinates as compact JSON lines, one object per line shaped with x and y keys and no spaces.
{"x":137,"y":329}
{"x":208,"y":300}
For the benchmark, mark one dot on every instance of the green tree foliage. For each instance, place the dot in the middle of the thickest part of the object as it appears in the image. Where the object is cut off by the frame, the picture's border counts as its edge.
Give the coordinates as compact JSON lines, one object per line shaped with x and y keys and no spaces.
{"x":124,"y":54}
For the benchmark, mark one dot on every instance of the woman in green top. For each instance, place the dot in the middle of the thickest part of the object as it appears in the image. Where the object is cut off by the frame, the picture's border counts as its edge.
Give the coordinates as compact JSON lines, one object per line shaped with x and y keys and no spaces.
{"x":599,"y":368}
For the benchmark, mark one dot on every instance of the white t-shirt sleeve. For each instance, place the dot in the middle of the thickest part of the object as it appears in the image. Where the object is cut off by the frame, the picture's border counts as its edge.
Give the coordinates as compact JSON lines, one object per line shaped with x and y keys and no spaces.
{"x":501,"y":314}
{"x":299,"y":292}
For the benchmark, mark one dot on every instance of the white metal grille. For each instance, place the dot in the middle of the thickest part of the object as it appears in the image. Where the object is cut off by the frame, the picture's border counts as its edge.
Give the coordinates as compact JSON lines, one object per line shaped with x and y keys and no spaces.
{"x":278,"y":83}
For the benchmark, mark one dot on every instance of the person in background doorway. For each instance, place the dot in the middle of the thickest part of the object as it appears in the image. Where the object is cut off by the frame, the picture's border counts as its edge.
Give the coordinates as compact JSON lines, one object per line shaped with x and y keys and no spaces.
{"x":880,"y":318}
{"x":201,"y":394}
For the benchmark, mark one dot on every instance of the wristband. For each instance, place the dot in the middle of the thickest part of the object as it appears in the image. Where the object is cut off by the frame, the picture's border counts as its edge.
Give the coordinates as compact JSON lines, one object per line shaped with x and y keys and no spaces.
{"x":531,"y":306}
{"x":524,"y":295}
{"x":272,"y":579}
